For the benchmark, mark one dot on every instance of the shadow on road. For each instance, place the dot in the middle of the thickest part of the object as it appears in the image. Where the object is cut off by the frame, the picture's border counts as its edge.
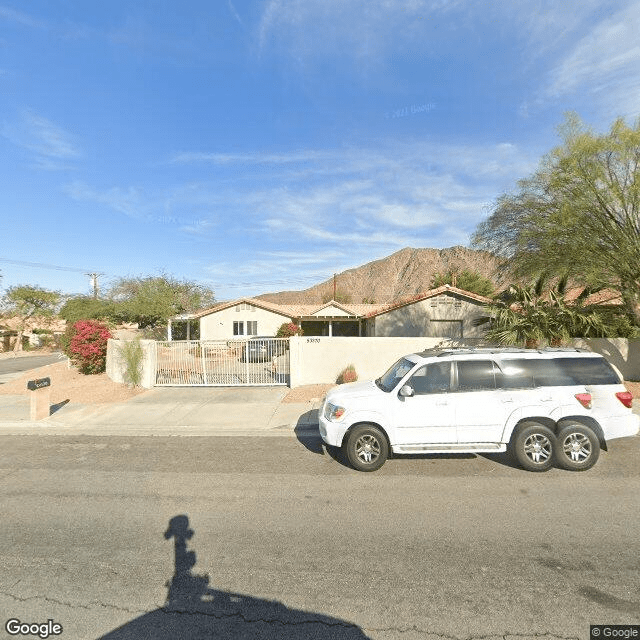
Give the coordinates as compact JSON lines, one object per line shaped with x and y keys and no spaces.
{"x":194,"y":611}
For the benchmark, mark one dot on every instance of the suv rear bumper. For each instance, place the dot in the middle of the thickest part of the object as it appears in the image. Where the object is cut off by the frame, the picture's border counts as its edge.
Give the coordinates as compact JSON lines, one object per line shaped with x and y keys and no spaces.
{"x":622,"y":426}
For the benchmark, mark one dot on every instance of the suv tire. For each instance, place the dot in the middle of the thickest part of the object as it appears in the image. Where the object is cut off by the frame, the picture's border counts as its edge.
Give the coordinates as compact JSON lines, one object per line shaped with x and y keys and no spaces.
{"x":533,"y":446}
{"x":366,"y":448}
{"x":578,"y":447}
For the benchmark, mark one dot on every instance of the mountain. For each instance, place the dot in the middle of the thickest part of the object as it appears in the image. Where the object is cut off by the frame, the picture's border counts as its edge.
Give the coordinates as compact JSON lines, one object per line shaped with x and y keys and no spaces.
{"x":402,"y":274}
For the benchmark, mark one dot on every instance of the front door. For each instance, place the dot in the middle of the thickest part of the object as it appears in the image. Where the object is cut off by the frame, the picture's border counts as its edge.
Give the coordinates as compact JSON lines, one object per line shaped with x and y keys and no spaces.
{"x":428,"y":416}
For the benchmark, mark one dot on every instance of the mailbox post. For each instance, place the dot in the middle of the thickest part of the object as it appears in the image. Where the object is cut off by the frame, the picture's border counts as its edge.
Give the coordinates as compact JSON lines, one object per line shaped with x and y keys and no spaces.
{"x":40,"y":398}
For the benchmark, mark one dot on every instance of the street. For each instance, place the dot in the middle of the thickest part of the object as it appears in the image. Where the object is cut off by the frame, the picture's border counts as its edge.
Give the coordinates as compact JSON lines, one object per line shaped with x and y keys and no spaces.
{"x":12,"y":366}
{"x":252,"y":537}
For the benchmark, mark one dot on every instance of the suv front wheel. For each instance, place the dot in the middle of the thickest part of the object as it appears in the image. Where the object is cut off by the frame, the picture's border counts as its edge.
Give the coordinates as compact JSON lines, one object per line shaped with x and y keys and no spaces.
{"x":366,"y":448}
{"x":533,"y":446}
{"x":578,"y":447}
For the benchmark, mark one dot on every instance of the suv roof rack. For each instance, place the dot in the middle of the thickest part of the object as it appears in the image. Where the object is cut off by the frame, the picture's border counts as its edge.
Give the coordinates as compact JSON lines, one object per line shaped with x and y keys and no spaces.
{"x":448,"y":351}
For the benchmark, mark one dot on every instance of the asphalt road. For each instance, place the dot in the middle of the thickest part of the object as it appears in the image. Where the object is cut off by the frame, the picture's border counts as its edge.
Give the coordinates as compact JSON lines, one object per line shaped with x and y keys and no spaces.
{"x":10,"y":366}
{"x":274,"y":538}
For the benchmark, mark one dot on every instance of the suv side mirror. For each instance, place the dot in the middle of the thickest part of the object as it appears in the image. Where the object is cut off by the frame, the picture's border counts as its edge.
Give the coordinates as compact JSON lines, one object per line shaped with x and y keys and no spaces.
{"x":406,"y":391}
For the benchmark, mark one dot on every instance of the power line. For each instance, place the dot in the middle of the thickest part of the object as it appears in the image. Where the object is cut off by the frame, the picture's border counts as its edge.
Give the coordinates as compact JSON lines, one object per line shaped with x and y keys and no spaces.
{"x":42,"y":265}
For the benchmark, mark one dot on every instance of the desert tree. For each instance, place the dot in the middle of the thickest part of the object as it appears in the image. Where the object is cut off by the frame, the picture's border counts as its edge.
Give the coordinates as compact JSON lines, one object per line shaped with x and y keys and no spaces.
{"x":578,"y":215}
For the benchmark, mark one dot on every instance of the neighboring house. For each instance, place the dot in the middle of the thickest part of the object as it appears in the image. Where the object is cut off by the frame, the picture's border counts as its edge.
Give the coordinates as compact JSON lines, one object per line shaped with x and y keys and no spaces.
{"x":443,"y":312}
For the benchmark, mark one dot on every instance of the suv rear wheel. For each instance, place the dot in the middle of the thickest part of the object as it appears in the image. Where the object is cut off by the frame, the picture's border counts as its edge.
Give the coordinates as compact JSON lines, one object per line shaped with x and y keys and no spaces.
{"x":578,"y":447}
{"x":533,"y":446}
{"x":367,"y":448}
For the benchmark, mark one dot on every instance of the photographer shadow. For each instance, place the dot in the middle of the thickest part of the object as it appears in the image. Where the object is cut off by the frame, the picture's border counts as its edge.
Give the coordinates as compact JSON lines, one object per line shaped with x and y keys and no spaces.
{"x":195,"y":611}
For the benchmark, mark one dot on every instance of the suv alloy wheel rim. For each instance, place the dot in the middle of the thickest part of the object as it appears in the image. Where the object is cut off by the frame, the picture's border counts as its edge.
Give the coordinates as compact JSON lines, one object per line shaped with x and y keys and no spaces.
{"x":577,"y":447}
{"x":367,"y":448}
{"x":538,"y":448}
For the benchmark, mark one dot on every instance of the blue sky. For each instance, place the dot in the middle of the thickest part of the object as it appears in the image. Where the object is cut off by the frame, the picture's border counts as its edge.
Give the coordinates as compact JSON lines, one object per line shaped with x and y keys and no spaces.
{"x":263,"y":145}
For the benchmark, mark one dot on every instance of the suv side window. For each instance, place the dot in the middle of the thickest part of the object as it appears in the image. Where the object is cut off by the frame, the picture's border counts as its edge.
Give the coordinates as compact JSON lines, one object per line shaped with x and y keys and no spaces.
{"x":589,"y":371}
{"x":514,"y":374}
{"x":557,"y":372}
{"x":431,"y":378}
{"x":476,"y":375}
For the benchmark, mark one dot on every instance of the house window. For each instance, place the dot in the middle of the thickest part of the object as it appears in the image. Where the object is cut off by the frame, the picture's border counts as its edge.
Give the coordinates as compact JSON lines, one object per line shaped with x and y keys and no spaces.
{"x":238,"y":328}
{"x":245,"y":306}
{"x":252,"y":327}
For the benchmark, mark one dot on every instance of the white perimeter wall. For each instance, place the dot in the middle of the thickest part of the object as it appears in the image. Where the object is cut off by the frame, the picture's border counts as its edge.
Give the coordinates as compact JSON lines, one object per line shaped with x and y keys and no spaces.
{"x":116,"y":367}
{"x":316,"y":360}
{"x":321,"y":359}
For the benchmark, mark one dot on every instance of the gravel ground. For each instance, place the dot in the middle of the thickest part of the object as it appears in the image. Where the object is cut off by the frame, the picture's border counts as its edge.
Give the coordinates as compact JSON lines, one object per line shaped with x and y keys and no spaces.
{"x":67,"y":383}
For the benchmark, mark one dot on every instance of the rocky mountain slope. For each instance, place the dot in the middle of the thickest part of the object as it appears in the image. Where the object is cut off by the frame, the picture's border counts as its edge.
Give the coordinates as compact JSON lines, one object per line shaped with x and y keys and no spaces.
{"x":402,"y":274}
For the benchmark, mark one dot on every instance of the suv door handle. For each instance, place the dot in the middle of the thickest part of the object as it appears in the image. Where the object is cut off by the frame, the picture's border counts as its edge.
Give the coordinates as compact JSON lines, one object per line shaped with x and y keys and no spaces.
{"x":505,"y":400}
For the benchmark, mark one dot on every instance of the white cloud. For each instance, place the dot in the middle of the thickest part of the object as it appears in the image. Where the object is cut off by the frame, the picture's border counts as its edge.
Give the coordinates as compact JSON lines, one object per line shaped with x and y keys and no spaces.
{"x":190,"y":157}
{"x":361,"y":31}
{"x":234,"y":12}
{"x":19,"y":17}
{"x":50,"y":146}
{"x":390,"y":195}
{"x":188,"y":208}
{"x":605,"y":64}
{"x":345,"y":207}
{"x":128,"y":201}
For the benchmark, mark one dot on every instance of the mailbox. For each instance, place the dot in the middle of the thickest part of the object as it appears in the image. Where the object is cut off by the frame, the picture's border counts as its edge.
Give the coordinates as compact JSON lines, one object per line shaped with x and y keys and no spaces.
{"x":33,"y":385}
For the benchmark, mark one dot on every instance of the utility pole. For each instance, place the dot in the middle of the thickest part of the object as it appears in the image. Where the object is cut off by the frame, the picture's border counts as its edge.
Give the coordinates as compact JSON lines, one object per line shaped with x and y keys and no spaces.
{"x":334,"y":286}
{"x":93,"y":277}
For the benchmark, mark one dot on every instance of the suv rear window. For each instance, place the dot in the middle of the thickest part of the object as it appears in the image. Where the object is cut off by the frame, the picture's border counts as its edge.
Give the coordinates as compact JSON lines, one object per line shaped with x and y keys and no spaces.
{"x":556,"y":372}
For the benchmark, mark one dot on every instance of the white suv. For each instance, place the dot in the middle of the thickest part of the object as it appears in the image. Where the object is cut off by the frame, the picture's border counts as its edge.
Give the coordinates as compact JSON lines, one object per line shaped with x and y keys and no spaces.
{"x":549,"y":405}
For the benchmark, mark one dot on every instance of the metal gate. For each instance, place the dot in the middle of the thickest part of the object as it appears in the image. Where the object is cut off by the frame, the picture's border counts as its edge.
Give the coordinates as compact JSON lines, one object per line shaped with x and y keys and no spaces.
{"x":249,"y":361}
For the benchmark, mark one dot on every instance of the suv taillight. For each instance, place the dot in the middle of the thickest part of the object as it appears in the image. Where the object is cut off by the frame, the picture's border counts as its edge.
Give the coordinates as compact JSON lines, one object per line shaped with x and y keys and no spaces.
{"x":584,"y":399}
{"x":626,"y":398}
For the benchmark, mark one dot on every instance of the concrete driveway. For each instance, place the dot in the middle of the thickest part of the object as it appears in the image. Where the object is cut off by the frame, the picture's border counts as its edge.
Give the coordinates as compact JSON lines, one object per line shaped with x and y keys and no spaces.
{"x":180,"y":411}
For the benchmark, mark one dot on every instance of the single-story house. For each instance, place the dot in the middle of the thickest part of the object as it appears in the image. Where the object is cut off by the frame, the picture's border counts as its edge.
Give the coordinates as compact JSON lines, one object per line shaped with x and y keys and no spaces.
{"x":443,"y":312}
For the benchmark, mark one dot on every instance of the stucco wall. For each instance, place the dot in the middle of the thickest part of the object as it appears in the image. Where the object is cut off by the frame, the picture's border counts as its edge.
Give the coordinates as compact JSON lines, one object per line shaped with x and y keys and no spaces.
{"x":321,"y":359}
{"x":219,"y":325}
{"x":316,"y":360}
{"x":415,"y":319}
{"x":116,"y":367}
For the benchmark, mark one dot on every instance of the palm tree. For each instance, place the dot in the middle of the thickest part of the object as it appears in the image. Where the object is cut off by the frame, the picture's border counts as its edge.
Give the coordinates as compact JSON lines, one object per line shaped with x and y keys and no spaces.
{"x":526,"y":315}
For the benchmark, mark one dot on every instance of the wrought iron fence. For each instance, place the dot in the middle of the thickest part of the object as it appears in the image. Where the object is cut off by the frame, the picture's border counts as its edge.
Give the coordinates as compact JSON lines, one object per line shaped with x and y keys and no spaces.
{"x":248,"y":361}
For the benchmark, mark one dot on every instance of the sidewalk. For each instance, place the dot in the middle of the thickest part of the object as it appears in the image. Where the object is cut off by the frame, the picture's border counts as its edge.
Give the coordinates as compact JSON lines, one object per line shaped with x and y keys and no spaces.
{"x":172,"y":411}
{"x":175,"y":411}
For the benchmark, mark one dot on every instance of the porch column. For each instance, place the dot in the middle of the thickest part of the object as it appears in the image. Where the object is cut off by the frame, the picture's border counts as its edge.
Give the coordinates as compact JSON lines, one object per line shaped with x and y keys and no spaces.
{"x":188,"y":330}
{"x":330,"y":328}
{"x":169,"y":330}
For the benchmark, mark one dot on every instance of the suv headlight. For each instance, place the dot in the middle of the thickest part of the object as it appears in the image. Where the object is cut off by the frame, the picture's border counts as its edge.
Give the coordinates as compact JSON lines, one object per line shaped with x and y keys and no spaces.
{"x":333,"y":412}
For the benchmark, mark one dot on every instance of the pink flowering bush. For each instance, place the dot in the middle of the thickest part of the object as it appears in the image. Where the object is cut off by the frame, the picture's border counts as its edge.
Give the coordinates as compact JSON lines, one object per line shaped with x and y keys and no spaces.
{"x":87,"y":345}
{"x":288,"y":329}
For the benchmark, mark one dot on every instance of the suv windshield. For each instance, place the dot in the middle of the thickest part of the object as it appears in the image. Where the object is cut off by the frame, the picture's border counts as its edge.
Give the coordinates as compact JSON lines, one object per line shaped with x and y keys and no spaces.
{"x":391,"y":378}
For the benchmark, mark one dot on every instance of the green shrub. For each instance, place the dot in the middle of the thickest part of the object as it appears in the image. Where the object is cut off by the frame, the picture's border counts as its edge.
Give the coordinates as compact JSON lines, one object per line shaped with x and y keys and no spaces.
{"x":132,"y":354}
